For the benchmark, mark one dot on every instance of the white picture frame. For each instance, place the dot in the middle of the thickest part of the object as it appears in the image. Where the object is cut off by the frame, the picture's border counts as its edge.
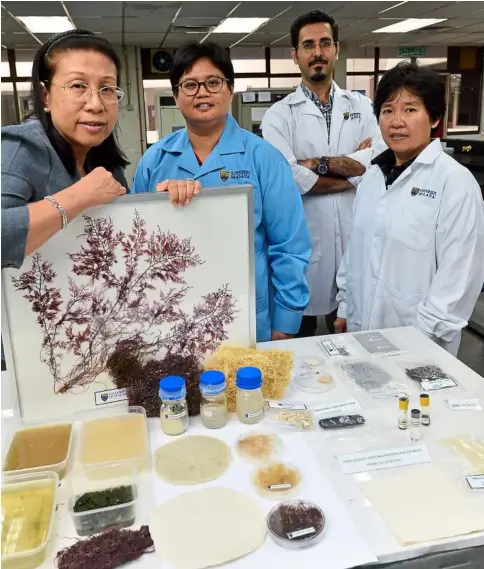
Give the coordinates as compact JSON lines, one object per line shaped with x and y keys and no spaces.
{"x":210,"y":248}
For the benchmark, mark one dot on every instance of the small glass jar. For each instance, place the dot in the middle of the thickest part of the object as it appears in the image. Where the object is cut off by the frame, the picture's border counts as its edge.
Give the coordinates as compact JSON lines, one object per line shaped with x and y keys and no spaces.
{"x":249,"y":399}
{"x":174,"y":409}
{"x":213,"y":404}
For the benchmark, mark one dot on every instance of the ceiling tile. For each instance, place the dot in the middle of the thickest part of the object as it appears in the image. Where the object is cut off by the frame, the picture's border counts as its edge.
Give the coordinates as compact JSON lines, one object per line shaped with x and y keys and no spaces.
{"x":97,"y":24}
{"x":361,"y":9}
{"x":260,"y":9}
{"x":206,"y":9}
{"x":35,"y":8}
{"x":100,"y":9}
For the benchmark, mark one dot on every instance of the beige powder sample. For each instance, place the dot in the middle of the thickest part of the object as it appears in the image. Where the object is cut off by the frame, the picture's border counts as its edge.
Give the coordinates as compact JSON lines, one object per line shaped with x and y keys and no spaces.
{"x":192,"y":460}
{"x":470,"y":449}
{"x":207,"y":527}
{"x":422,"y":504}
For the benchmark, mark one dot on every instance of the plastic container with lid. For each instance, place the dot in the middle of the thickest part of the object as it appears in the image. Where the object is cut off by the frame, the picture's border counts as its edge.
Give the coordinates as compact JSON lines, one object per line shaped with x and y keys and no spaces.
{"x":113,"y":491}
{"x":213,"y":405}
{"x":41,"y":448}
{"x":250,"y":402}
{"x":28,"y":510}
{"x":174,"y":408}
{"x":296,"y":524}
{"x":313,"y":376}
{"x":116,"y":437}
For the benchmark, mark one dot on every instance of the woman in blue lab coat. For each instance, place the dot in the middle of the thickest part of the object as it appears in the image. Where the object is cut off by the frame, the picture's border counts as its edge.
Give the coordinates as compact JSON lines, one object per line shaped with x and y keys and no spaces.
{"x":214,"y":151}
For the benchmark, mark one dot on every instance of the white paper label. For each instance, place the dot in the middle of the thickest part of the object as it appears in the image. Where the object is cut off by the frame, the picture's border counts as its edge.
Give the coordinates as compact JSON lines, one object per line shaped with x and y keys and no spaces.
{"x":256,"y":414}
{"x":248,"y":97}
{"x":342,"y":407}
{"x":110,"y":396}
{"x":464,"y":404}
{"x":279,"y":486}
{"x":330,"y":348}
{"x":264,"y":96}
{"x":176,"y":415}
{"x":476,"y":482}
{"x":300,"y":533}
{"x":288,"y":405}
{"x":435,"y":384}
{"x":390,"y":458}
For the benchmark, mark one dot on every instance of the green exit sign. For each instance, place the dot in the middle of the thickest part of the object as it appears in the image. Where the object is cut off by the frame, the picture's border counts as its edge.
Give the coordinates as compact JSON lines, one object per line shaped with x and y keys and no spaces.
{"x":412,"y":52}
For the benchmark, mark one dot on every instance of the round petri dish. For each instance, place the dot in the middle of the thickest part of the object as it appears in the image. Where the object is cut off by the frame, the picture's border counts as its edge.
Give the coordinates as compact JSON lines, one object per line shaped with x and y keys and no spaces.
{"x":296,"y":524}
{"x":277,"y":480}
{"x":258,"y":446}
{"x":312,"y":376}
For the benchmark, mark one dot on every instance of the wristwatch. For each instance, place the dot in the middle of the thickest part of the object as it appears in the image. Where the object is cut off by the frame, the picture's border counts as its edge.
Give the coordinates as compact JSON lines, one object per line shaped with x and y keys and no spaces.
{"x":323,"y":166}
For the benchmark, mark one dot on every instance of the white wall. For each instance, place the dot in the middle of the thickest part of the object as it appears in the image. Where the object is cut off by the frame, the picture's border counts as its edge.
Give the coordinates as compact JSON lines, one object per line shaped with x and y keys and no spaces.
{"x":132,"y":121}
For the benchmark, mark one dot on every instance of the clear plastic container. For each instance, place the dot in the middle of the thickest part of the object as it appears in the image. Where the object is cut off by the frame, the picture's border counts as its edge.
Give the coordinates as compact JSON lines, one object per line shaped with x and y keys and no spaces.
{"x":313,"y":376}
{"x":249,"y":399}
{"x":174,"y":408}
{"x":213,"y":405}
{"x":259,"y":446}
{"x":106,"y":484}
{"x":292,"y":416}
{"x":277,"y":480}
{"x":28,"y":530}
{"x":41,"y":448}
{"x":296,"y":524}
{"x":116,"y":437}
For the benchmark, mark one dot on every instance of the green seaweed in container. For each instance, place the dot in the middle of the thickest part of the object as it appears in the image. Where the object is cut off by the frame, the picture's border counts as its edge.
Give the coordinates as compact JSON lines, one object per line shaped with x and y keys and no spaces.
{"x":98,"y":510}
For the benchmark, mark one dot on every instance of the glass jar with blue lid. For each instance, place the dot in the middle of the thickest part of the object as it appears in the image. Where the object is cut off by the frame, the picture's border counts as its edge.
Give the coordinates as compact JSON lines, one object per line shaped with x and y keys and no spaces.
{"x":213,"y":404}
{"x":174,"y":409}
{"x":249,"y":398}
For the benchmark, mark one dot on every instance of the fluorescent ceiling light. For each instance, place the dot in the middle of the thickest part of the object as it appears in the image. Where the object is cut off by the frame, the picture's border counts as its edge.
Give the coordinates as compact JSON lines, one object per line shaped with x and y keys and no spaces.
{"x":46,"y":24}
{"x":409,"y":25}
{"x":239,"y":25}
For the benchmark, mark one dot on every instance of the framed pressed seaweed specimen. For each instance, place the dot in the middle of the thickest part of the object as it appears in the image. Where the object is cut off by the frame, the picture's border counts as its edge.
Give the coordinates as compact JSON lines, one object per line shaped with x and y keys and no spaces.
{"x":128,"y":292}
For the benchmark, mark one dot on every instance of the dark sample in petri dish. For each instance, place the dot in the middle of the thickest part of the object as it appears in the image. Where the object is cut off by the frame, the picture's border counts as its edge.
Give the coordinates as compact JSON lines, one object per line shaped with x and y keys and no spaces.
{"x":296,"y":524}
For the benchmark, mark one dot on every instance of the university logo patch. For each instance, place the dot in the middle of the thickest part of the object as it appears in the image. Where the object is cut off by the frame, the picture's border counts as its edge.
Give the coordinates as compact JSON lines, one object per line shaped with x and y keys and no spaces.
{"x":415,"y":191}
{"x":104,"y":397}
{"x":224,"y":175}
{"x":346,"y":116}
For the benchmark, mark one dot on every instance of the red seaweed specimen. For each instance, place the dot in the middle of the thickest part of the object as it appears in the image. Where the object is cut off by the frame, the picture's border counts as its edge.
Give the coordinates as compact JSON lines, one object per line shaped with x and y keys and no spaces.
{"x":128,"y":290}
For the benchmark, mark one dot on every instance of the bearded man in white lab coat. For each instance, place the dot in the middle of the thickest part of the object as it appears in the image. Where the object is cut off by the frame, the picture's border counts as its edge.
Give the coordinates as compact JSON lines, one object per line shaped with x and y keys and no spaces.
{"x":328,"y":135}
{"x":416,"y":250}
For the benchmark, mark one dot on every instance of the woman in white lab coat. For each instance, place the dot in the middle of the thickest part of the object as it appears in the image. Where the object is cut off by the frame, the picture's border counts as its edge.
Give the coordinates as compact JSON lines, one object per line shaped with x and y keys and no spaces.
{"x":416,"y":250}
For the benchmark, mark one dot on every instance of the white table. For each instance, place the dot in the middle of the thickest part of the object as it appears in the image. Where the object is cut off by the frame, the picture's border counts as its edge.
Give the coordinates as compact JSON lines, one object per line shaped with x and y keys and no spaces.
{"x":381,"y":416}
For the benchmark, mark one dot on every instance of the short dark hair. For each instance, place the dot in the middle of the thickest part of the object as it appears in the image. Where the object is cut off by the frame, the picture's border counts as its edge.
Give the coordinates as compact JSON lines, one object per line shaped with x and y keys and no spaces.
{"x":314,"y":17}
{"x":108,"y":154}
{"x":187,"y":55}
{"x":420,"y":81}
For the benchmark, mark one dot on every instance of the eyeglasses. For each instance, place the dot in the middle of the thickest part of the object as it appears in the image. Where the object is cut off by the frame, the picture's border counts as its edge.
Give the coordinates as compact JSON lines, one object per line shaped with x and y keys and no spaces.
{"x":82,"y":92}
{"x":310,"y":46}
{"x":191,"y":87}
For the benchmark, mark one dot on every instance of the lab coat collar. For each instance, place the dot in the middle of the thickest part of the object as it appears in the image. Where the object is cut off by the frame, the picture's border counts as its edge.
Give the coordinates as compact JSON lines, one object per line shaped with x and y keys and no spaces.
{"x":427,"y":156}
{"x":299,"y":97}
{"x":231,"y":142}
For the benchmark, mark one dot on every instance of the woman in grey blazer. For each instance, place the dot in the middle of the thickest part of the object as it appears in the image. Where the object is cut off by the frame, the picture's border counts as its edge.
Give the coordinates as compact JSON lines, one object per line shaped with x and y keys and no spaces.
{"x":64,"y":158}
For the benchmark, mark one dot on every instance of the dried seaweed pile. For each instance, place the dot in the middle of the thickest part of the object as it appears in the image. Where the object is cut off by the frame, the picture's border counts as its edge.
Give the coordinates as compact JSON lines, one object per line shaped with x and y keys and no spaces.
{"x":141,"y":380}
{"x":106,"y":550}
{"x":276,"y":367}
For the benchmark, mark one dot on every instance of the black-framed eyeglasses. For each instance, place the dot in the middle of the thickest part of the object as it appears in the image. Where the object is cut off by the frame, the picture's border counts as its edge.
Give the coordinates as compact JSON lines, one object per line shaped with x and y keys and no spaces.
{"x":191,"y":87}
{"x":81,"y":92}
{"x":310,"y":46}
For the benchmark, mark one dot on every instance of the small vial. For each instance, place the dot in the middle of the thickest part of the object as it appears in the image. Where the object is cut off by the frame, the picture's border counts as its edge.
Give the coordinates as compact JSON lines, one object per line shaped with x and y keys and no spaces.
{"x":403,"y":413}
{"x":425,"y":405}
{"x":415,"y":425}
